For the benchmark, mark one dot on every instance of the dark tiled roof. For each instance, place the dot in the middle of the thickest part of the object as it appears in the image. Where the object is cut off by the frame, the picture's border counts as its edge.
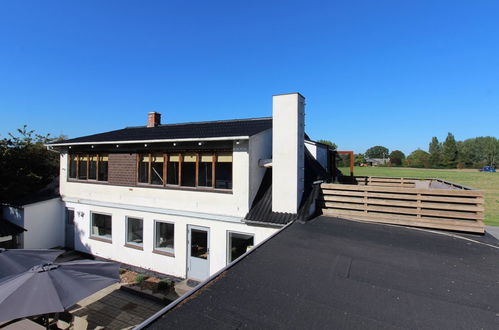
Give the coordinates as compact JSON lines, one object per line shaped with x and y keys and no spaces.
{"x":338,"y":274}
{"x":196,"y":130}
{"x":7,"y":228}
{"x":261,"y":209}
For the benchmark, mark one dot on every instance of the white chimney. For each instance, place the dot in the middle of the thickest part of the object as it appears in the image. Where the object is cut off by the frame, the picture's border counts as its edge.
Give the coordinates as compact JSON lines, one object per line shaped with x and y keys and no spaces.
{"x":288,"y":120}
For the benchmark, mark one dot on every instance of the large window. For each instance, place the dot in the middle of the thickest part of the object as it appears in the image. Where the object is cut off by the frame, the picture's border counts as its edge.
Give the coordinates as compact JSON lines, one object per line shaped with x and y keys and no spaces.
{"x":101,"y":226}
{"x":238,"y":244}
{"x":189,"y":169}
{"x":164,"y":239}
{"x":134,"y":231}
{"x":88,"y":166}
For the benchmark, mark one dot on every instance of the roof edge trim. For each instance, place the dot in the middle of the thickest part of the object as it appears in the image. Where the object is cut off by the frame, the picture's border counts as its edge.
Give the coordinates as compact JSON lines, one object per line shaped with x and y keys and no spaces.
{"x":149,"y":141}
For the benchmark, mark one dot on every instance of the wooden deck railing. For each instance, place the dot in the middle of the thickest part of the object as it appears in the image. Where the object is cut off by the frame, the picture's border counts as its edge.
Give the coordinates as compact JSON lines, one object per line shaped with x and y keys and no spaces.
{"x":459,"y":208}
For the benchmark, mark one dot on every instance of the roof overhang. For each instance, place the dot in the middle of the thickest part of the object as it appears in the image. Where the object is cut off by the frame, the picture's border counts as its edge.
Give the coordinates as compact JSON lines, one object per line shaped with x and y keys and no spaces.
{"x":231,"y":138}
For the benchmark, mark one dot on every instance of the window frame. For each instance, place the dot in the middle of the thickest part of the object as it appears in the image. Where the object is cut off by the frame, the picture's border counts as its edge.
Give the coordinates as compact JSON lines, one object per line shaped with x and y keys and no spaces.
{"x":169,"y":252}
{"x":79,"y":155}
{"x":99,"y":237}
{"x":138,"y":246}
{"x":181,"y":154}
{"x":228,"y":252}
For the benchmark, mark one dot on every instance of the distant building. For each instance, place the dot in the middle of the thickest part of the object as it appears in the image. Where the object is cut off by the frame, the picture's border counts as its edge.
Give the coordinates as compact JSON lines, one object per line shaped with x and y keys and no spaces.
{"x":377,"y":161}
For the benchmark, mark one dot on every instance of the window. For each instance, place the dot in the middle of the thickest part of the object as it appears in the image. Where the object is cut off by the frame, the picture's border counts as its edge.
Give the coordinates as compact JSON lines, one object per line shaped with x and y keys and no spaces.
{"x":205,"y":170}
{"x":238,"y":244}
{"x":164,"y":239}
{"x":189,"y":170}
{"x":134,"y":231}
{"x":172,"y":169}
{"x":88,"y":167}
{"x":101,"y":226}
{"x":223,"y":171}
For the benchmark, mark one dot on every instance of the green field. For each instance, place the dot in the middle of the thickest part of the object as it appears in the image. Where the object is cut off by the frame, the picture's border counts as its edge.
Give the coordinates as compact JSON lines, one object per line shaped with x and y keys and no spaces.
{"x":488,"y":182}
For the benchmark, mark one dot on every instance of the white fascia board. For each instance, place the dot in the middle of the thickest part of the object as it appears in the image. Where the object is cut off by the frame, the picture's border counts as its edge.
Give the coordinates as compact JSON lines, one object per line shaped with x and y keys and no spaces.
{"x":197,"y":215}
{"x":150,"y":141}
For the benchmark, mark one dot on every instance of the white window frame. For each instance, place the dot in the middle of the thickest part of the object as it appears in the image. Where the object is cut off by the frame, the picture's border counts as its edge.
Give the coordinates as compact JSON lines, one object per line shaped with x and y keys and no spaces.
{"x":127,"y":242}
{"x":167,"y":251}
{"x":227,"y":249}
{"x":99,"y":237}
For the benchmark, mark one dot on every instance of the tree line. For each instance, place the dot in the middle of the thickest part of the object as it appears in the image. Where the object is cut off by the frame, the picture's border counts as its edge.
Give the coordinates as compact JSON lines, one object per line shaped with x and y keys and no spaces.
{"x":470,"y":153}
{"x":26,"y":164}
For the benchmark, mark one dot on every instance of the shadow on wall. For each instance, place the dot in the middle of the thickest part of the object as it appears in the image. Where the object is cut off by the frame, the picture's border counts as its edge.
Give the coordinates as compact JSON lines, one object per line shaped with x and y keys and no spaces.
{"x":78,"y":242}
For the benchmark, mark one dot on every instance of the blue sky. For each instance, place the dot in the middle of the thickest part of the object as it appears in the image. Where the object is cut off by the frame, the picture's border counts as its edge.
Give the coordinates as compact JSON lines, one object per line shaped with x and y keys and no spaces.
{"x":391,"y":73}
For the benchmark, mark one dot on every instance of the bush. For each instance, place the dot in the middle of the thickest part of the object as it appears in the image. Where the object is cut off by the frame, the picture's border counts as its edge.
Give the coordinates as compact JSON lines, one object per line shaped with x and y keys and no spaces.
{"x":164,"y":285}
{"x":141,"y":278}
{"x":122,"y":271}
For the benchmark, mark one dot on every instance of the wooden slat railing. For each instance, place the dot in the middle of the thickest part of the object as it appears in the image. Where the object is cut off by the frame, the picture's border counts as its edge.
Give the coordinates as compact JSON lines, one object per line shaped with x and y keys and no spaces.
{"x":460,"y":208}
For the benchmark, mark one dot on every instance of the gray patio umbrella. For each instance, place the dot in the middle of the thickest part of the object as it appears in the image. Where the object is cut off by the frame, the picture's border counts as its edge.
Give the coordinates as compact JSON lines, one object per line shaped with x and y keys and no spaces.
{"x":52,"y":288}
{"x":16,"y":261}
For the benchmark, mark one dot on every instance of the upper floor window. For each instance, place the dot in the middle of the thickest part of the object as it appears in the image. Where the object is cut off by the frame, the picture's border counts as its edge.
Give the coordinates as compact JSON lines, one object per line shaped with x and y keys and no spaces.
{"x":189,"y":169}
{"x":84,"y":166}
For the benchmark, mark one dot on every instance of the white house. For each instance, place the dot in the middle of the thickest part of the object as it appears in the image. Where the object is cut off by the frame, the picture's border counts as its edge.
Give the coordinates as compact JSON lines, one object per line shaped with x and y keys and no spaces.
{"x":185,"y":199}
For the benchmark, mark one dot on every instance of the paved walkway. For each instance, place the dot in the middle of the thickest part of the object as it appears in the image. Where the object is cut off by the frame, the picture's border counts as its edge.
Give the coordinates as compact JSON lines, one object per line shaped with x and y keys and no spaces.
{"x":112,"y":308}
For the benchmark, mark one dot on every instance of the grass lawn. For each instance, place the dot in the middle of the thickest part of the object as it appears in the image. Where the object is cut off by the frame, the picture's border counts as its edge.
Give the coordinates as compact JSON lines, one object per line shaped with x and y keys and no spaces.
{"x":488,"y":182}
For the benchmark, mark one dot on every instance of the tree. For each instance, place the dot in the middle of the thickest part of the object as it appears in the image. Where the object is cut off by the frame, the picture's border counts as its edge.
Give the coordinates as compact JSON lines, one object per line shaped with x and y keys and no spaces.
{"x":377,"y":152}
{"x":435,"y":149}
{"x":449,"y":151}
{"x":418,"y":158}
{"x":333,"y":146}
{"x":396,"y":157}
{"x":359,"y":159}
{"x":27,"y":166}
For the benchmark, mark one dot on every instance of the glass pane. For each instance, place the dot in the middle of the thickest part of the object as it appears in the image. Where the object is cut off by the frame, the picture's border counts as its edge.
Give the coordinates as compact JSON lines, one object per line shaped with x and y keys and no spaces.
{"x":103,"y":166}
{"x":134,"y":231}
{"x":172,"y":169}
{"x":199,"y":244}
{"x":70,"y":216}
{"x":189,"y":170}
{"x":72,"y":166}
{"x":101,"y":225}
{"x":157,"y":169}
{"x":164,"y":236}
{"x":239,"y":244}
{"x":144,"y":169}
{"x":223,"y":171}
{"x":205,"y":171}
{"x":92,"y":167}
{"x":82,"y":168}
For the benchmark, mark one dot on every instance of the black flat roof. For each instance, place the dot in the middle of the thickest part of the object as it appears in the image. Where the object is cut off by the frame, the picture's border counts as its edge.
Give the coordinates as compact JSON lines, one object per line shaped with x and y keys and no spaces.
{"x":195,"y":130}
{"x":337,"y":274}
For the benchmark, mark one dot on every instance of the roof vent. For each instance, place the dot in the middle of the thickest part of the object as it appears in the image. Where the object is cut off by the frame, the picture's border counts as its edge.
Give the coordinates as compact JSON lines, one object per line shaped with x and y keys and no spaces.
{"x":153,"y":119}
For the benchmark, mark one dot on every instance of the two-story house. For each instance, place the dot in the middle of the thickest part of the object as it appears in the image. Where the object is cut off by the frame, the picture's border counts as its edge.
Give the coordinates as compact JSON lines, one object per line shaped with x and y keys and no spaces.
{"x":176,"y":198}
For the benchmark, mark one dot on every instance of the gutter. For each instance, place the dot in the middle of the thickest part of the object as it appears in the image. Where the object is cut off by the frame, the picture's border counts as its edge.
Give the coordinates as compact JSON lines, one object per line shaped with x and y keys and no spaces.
{"x":173,"y":304}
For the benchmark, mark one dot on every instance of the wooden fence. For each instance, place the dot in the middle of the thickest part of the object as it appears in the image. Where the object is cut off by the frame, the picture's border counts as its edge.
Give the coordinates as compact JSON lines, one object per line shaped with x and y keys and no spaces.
{"x":397,"y":201}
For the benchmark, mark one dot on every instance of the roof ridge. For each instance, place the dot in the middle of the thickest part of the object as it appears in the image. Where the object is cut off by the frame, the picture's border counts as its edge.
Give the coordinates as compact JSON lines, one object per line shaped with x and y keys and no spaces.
{"x":205,"y":122}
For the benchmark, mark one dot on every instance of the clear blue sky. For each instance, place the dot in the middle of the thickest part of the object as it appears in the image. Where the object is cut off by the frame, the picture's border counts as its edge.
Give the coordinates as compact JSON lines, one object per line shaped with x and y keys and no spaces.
{"x":393,"y":73}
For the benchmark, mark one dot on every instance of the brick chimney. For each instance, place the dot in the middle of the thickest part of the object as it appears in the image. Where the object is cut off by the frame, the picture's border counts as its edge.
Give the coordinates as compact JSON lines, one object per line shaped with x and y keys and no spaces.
{"x":153,"y":119}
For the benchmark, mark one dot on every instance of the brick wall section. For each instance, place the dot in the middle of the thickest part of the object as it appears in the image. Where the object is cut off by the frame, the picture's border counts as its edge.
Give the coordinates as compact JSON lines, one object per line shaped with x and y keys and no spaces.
{"x":123,"y":169}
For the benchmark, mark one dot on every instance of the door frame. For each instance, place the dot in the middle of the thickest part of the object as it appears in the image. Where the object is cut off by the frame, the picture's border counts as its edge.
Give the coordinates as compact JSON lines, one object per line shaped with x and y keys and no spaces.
{"x":188,"y":245}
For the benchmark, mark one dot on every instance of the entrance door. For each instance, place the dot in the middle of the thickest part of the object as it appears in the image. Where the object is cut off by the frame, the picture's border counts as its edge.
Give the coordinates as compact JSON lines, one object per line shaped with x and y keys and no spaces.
{"x":70,"y":229}
{"x":198,"y":256}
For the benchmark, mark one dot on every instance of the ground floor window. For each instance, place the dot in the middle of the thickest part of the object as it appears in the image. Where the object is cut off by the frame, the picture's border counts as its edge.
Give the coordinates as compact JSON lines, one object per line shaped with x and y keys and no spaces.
{"x":70,"y":216}
{"x":101,"y":226}
{"x":134,"y":229}
{"x":164,"y":237}
{"x":238,"y":244}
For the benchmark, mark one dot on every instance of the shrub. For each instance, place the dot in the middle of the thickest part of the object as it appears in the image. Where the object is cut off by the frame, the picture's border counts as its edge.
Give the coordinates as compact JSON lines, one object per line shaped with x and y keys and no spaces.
{"x":164,"y":285}
{"x":122,"y":270}
{"x":141,"y":278}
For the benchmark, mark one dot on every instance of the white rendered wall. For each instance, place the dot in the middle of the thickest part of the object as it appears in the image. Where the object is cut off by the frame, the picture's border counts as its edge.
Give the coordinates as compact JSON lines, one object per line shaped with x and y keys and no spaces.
{"x":176,"y":265}
{"x":318,"y":151}
{"x":44,"y":222}
{"x":287,"y":152}
{"x":260,"y":146}
{"x":235,"y":203}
